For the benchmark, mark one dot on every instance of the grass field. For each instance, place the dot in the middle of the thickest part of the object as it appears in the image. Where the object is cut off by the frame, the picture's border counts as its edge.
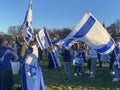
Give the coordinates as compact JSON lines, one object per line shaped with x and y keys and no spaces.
{"x":55,"y":79}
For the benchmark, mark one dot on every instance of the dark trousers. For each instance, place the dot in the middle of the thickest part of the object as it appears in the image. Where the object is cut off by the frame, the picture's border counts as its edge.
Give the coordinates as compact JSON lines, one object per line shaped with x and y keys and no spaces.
{"x":89,"y":64}
{"x":77,"y":69}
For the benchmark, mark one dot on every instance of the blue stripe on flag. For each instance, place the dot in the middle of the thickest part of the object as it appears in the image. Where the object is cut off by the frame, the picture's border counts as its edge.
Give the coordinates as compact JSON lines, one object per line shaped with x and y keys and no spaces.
{"x":57,"y":41}
{"x":27,"y":38}
{"x":106,"y":47}
{"x":42,"y":47}
{"x":27,"y":24}
{"x":30,"y":31}
{"x":85,"y":28}
{"x":47,"y":37}
{"x":55,"y":59}
{"x":67,"y":42}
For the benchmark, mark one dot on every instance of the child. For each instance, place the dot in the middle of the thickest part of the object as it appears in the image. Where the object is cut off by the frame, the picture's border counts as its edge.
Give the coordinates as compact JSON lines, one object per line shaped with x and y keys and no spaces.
{"x":78,"y":62}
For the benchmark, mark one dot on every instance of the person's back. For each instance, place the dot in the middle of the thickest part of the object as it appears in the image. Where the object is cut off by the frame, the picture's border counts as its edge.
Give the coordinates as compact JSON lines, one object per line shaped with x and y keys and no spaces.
{"x":6,"y":76}
{"x":66,"y":55}
{"x":23,"y":50}
{"x":32,"y":78}
{"x":22,"y":46}
{"x":7,"y":55}
{"x":67,"y":63}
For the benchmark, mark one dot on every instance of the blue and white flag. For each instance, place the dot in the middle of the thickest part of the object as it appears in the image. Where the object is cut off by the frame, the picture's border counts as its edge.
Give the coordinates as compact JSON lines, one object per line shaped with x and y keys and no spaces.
{"x":58,"y":41}
{"x":43,"y":39}
{"x":26,"y":29}
{"x":32,"y":76}
{"x":90,"y":31}
{"x":55,"y":58}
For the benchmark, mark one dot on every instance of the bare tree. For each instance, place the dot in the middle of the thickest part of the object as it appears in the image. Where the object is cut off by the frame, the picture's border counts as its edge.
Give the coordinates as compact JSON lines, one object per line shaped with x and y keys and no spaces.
{"x":14,"y":30}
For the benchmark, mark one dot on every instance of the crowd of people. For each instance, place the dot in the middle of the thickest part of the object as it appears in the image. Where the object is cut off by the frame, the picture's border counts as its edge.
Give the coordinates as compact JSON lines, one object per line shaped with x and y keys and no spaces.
{"x":30,"y":70}
{"x":80,"y":53}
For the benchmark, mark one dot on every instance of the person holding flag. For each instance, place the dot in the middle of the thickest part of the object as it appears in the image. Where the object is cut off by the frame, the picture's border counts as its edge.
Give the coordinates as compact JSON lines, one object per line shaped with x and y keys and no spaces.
{"x":44,"y":42}
{"x":32,"y":77}
{"x":54,"y":61}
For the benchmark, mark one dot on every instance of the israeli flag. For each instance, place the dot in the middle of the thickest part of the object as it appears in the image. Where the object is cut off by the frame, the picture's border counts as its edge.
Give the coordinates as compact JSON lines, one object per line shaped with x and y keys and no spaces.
{"x":26,"y":29}
{"x":43,"y":39}
{"x":55,"y":58}
{"x":90,"y":31}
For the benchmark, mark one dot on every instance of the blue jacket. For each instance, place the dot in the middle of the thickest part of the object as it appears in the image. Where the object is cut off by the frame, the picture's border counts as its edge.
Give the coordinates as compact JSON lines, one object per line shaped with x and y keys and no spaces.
{"x":6,"y":55}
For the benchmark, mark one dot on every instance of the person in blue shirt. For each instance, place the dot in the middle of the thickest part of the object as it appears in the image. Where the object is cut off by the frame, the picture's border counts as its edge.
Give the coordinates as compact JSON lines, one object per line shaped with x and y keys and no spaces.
{"x":78,"y":61}
{"x":32,"y":77}
{"x":6,"y":55}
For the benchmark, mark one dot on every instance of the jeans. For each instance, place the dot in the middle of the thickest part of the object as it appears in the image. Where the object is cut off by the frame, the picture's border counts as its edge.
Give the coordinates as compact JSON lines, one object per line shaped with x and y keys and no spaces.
{"x":93,"y":65}
{"x":117,"y":71}
{"x":67,"y":70}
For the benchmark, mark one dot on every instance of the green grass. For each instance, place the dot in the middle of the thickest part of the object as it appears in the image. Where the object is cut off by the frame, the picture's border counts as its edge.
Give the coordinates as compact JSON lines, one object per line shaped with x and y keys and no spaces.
{"x":55,"y":79}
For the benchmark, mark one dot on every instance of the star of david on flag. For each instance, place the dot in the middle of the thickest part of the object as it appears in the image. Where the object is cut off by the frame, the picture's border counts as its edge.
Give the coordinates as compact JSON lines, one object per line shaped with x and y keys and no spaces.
{"x":43,"y":39}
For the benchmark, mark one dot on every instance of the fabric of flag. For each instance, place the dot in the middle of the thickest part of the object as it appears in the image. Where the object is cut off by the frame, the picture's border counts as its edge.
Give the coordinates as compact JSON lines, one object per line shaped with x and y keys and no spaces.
{"x":32,"y":76}
{"x":58,"y":41}
{"x":55,"y":58}
{"x":43,"y":39}
{"x":90,"y":31}
{"x":26,"y":29}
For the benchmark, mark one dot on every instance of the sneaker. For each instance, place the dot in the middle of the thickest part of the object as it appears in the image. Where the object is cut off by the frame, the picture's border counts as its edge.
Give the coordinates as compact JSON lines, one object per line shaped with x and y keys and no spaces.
{"x":75,"y":74}
{"x":115,"y":79}
{"x":79,"y":73}
{"x":112,"y":73}
{"x":92,"y":76}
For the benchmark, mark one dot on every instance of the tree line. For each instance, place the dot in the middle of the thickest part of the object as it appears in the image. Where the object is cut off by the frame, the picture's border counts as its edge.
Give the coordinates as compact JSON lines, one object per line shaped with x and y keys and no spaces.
{"x":53,"y":33}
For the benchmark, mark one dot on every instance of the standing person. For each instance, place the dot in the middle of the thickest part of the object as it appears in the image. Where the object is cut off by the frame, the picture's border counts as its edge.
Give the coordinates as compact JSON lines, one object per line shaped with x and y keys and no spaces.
{"x":116,"y":69}
{"x":21,"y":48}
{"x":117,"y":62}
{"x":6,"y":76}
{"x":78,"y":61}
{"x":32,"y":78}
{"x":53,"y":58}
{"x":67,"y":57}
{"x":93,"y":58}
